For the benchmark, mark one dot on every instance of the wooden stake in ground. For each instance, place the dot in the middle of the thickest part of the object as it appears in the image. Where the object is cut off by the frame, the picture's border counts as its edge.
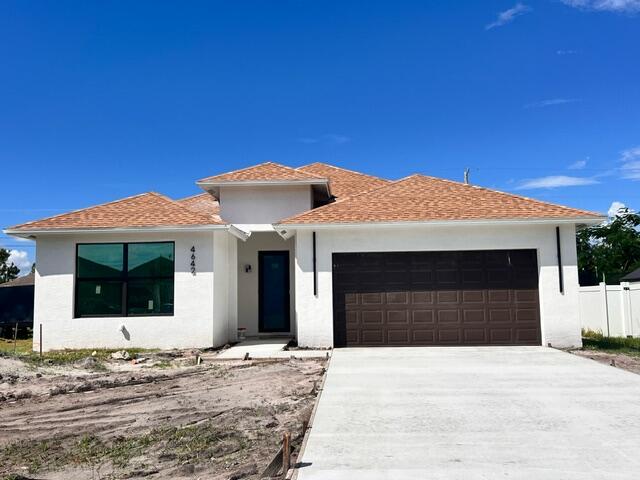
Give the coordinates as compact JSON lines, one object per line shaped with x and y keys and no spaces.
{"x":15,"y":337}
{"x":286,"y":453}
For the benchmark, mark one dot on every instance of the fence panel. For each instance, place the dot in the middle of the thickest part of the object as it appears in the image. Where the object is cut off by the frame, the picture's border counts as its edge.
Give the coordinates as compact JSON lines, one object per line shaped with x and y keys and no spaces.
{"x":612,"y":309}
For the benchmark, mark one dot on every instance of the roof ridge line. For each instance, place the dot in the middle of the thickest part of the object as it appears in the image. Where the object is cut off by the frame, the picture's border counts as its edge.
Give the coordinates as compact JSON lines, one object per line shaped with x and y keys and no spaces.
{"x":308,"y":175}
{"x":344,"y":169}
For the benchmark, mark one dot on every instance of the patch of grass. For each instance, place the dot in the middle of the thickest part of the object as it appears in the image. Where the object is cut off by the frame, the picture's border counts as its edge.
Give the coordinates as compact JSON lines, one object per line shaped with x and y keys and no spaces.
{"x":25,"y":353}
{"x":193,"y":443}
{"x":22,"y":346}
{"x":597,"y":341}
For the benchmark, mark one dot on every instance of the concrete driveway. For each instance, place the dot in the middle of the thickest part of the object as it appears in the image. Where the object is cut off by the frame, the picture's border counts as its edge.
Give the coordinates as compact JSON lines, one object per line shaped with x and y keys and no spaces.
{"x":473,"y":413}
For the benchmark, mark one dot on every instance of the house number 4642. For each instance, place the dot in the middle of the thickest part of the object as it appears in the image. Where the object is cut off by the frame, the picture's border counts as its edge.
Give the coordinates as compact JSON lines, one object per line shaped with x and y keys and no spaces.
{"x":193,"y":260}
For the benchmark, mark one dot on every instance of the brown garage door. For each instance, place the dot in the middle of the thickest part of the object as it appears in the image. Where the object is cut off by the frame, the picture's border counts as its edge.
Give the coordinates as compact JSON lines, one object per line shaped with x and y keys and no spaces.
{"x":436,"y":298}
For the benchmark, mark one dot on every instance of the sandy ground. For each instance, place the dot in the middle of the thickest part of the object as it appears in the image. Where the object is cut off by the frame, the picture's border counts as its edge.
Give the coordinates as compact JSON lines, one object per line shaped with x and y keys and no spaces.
{"x":218,"y":420}
{"x":618,"y":360}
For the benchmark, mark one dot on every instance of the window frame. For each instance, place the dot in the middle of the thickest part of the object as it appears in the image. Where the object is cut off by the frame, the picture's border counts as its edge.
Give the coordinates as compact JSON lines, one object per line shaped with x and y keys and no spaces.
{"x":124,"y":279}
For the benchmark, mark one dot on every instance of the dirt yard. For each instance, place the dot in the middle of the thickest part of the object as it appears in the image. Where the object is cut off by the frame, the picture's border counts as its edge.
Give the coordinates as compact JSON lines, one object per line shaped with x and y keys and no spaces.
{"x":619,"y":360}
{"x":217,"y":420}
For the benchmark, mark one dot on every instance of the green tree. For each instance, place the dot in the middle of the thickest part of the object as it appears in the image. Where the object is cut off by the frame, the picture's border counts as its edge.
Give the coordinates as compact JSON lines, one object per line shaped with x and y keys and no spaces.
{"x":610,"y":250}
{"x":7,"y":271}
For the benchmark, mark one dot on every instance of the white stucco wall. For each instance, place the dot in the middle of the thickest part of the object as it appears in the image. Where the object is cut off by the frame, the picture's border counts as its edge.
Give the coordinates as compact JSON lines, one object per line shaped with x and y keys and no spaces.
{"x":558,"y":311}
{"x":195,"y":323}
{"x":244,"y":204}
{"x":248,"y":282}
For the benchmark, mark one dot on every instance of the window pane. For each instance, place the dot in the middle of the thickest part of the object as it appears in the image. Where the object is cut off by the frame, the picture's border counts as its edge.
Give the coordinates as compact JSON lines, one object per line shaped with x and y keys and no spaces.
{"x":100,"y":260}
{"x":150,"y":259}
{"x":99,"y":298}
{"x":147,"y":297}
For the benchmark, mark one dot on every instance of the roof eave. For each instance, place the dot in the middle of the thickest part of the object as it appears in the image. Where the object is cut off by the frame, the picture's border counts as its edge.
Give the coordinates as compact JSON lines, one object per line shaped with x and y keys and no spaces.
{"x":213,"y":187}
{"x":33,"y":232}
{"x":507,"y":221}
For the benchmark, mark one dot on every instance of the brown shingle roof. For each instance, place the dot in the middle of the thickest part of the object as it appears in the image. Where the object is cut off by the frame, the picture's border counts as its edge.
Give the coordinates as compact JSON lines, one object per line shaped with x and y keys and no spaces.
{"x":343,"y":182}
{"x":268,"y":171}
{"x":203,"y":203}
{"x":421,"y":199}
{"x":144,"y":210}
{"x":24,"y":281}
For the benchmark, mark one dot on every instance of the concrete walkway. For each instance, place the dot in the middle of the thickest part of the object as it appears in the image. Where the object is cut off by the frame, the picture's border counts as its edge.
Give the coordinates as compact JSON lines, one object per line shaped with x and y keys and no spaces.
{"x":265,"y":348}
{"x":473,"y":413}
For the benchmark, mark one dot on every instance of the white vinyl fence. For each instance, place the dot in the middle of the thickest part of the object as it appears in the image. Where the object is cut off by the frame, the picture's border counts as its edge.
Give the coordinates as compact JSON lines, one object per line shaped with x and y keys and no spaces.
{"x":613,"y":310}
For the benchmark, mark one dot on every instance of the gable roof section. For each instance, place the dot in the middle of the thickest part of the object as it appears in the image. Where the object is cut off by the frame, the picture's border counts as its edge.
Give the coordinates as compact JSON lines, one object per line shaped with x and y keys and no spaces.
{"x":419,"y":198}
{"x":265,"y":172}
{"x":344,"y":183}
{"x":203,"y":203}
{"x":145,"y":210}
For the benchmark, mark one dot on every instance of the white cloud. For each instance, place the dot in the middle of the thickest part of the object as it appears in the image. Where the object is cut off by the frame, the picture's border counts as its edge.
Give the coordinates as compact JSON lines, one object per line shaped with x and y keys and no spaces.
{"x":619,"y":6}
{"x":508,"y":16}
{"x":615,"y":208}
{"x":555,"y":181}
{"x":20,"y":259}
{"x":630,"y":159}
{"x":566,"y":52}
{"x":551,"y":102}
{"x":578,"y":165}
{"x":329,"y":138}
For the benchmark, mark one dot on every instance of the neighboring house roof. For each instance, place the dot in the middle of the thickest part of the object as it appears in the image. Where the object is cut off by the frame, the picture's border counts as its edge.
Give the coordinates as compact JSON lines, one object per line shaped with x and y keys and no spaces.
{"x":203,"y":203}
{"x":344,"y":183}
{"x":24,"y":281}
{"x":265,"y":172}
{"x":632,"y":276}
{"x":419,"y":198}
{"x":145,"y":210}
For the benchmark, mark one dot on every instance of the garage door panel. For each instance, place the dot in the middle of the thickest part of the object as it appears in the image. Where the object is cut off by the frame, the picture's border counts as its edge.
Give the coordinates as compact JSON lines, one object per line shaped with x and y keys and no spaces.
{"x":398,"y":298}
{"x":372,"y":337}
{"x":499,"y":315}
{"x":421,"y":317}
{"x":400,"y":337}
{"x":376,"y":298}
{"x":424,"y":337}
{"x":420,"y":298}
{"x":499,"y":296}
{"x":526,"y":334}
{"x":475,"y":336}
{"x":448,"y":316}
{"x":449,"y":336}
{"x":499,"y":335}
{"x":371,"y":317}
{"x":436,"y":298}
{"x":447,"y":296}
{"x":473,"y":296}
{"x":473,"y":316}
{"x":396,"y":317}
{"x":352,"y":318}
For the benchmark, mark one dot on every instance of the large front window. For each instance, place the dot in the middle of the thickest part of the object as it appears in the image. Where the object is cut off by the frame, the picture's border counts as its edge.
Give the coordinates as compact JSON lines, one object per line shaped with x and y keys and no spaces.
{"x":124,"y":279}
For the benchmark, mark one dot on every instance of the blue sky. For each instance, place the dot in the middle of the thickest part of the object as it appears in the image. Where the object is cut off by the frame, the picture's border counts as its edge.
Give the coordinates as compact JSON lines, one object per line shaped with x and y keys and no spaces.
{"x":100,"y":100}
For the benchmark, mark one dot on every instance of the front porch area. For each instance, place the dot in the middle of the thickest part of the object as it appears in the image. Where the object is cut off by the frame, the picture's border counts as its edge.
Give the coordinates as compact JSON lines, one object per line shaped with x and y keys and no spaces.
{"x":265,"y":284}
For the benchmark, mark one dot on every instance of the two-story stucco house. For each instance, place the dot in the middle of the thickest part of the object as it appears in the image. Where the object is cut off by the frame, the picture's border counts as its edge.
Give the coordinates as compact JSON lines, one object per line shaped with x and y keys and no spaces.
{"x":325,"y":255}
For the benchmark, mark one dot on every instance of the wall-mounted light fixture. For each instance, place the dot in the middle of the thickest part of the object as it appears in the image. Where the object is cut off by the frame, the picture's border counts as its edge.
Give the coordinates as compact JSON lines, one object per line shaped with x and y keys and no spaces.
{"x":247,"y":268}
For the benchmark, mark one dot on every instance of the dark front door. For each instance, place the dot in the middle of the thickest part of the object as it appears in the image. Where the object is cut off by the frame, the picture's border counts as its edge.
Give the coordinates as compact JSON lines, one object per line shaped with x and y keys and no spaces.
{"x":273,"y":274}
{"x":436,"y":298}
